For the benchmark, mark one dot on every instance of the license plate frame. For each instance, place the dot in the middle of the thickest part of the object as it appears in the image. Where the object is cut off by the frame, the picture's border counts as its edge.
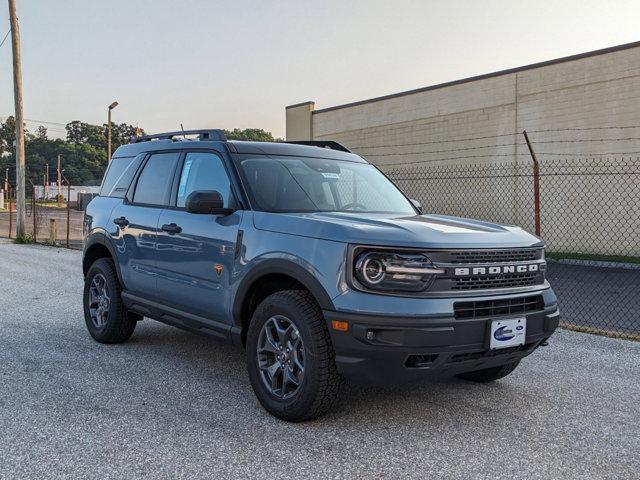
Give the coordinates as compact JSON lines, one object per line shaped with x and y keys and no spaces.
{"x":507,"y":332}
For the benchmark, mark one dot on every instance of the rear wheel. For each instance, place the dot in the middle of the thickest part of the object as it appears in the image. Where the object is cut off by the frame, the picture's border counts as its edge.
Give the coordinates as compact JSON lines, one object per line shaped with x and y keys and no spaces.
{"x":489,"y":374}
{"x":104,"y":313}
{"x":290,"y":357}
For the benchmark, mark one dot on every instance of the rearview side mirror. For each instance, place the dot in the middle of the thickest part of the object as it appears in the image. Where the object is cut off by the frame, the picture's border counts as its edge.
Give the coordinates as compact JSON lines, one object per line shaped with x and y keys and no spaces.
{"x":207,"y":202}
{"x":417,"y":204}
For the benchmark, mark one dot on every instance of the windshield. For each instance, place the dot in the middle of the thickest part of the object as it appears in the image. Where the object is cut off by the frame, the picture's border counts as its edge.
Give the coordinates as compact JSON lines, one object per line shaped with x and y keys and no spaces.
{"x":301,"y":184}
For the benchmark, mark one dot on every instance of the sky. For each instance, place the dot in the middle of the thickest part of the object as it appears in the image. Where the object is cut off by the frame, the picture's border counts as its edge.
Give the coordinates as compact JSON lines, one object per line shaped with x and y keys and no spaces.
{"x":228,"y":64}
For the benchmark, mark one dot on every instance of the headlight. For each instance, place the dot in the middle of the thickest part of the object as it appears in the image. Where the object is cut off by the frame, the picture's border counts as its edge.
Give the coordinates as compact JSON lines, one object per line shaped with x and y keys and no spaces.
{"x":394,"y":271}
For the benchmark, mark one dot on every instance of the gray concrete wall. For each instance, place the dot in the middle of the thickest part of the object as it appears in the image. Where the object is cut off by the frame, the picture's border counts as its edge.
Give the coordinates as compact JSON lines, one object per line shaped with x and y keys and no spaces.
{"x":568,"y":99}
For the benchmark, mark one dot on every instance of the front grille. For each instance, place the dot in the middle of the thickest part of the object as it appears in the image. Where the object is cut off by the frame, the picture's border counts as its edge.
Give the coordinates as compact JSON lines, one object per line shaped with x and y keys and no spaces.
{"x":498,"y":281}
{"x":493,"y":308}
{"x":495,"y":256}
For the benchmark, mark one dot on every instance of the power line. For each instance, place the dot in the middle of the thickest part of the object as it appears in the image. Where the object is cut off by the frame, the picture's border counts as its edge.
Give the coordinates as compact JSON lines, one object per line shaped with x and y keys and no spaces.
{"x":5,"y":38}
{"x":45,"y":122}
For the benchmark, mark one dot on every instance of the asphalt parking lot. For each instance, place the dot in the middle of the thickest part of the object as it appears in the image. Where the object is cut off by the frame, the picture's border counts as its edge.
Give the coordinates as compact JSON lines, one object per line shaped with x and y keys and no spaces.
{"x":169,"y":404}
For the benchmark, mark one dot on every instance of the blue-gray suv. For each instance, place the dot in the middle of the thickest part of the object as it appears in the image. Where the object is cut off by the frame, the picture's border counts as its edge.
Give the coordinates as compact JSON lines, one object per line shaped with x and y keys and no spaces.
{"x":315,"y":262}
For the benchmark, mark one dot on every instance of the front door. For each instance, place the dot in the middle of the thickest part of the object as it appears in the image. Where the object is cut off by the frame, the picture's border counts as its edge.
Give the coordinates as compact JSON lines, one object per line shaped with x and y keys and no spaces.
{"x":195,"y":252}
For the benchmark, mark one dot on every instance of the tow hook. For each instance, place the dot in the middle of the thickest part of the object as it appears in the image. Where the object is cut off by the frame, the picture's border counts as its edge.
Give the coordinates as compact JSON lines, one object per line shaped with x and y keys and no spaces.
{"x":544,"y":343}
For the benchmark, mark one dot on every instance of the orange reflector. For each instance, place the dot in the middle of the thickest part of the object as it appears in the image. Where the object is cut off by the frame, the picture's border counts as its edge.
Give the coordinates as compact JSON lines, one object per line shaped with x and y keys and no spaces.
{"x":338,"y":325}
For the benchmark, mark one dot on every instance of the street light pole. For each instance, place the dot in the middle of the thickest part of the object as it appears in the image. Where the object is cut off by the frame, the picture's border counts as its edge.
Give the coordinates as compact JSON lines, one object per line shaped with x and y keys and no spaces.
{"x":111,"y":107}
{"x":21,"y":216}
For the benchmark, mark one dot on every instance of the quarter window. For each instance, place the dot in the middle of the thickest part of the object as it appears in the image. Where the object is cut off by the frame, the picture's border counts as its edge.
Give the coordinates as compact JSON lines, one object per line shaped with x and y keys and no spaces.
{"x":119,"y":175}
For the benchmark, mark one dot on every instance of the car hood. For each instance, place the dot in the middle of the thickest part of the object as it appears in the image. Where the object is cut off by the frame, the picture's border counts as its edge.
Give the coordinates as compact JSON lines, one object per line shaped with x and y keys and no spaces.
{"x":420,"y":231}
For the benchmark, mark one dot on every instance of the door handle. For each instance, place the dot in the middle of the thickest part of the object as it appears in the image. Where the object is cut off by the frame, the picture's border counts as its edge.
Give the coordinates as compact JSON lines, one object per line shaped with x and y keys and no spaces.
{"x":171,"y":228}
{"x":121,"y":222}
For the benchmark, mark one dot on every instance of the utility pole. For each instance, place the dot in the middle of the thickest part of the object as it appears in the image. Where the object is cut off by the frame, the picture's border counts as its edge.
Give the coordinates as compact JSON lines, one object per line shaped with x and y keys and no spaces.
{"x":17,"y":93}
{"x":46,"y":184}
{"x":59,"y":197}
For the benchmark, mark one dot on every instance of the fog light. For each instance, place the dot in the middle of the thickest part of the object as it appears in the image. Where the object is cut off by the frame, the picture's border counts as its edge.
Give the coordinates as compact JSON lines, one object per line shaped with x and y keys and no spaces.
{"x":371,"y":335}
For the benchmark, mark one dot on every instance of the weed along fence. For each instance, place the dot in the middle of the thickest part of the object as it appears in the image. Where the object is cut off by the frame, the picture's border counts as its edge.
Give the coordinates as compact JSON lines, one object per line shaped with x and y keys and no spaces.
{"x":589,"y":218}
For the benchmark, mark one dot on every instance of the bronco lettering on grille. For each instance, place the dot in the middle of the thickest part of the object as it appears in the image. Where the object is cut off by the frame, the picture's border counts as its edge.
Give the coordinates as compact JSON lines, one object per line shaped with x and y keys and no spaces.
{"x":496,"y":270}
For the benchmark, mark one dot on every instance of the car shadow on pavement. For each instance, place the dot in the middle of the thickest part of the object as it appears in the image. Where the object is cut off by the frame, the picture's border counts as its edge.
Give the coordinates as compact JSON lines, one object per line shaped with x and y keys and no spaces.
{"x":219,"y":370}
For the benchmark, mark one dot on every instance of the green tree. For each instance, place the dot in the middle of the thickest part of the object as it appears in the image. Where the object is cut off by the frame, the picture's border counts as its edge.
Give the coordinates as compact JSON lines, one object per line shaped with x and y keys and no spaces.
{"x":250,"y":134}
{"x":7,"y":136}
{"x":84,"y":133}
{"x":84,"y":151}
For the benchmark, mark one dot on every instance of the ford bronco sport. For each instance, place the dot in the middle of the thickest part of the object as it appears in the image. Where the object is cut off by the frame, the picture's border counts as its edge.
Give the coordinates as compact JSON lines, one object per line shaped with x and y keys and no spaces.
{"x":313,"y":261}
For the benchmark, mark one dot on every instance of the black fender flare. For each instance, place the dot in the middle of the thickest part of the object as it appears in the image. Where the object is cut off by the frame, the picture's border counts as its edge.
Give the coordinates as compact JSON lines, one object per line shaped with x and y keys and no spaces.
{"x":283,"y":267}
{"x":101,"y":238}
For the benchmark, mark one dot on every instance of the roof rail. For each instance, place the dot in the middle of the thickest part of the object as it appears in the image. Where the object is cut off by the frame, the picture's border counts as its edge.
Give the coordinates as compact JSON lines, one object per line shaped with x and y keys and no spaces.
{"x":330,"y":144}
{"x":203,"y":135}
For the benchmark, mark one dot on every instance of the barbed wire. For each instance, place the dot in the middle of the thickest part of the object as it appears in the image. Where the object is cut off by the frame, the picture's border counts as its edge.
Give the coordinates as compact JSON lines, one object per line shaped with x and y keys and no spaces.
{"x":511,"y":155}
{"x":502,"y":135}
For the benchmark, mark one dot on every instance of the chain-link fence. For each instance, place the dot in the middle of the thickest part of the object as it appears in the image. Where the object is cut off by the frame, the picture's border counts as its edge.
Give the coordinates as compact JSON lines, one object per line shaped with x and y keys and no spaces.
{"x":589,"y":211}
{"x":52,"y":221}
{"x":590,"y":221}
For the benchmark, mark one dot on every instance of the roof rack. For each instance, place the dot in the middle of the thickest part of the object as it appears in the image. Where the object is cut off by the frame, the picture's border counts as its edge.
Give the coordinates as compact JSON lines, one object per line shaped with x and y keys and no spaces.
{"x":203,"y":135}
{"x":330,"y":144}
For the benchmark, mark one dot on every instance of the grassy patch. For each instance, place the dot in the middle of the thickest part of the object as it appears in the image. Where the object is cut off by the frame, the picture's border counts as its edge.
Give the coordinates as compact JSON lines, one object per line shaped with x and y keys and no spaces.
{"x":591,"y":256}
{"x":27,"y":238}
{"x":62,"y":205}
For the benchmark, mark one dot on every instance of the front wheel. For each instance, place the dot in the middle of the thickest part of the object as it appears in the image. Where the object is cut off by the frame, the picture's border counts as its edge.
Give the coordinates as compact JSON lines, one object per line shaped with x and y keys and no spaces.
{"x":104,"y":313}
{"x":489,"y":374}
{"x":290,"y":357}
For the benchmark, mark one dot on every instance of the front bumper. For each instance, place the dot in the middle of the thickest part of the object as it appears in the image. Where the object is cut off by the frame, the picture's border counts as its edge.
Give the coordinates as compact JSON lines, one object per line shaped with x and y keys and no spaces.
{"x":387,"y":350}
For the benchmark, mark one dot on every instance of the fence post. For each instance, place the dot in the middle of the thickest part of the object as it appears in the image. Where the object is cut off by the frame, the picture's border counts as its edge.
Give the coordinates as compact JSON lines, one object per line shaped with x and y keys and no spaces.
{"x":68,"y":210}
{"x":33,"y":213}
{"x":52,"y":231}
{"x":10,"y":215}
{"x":536,"y":185}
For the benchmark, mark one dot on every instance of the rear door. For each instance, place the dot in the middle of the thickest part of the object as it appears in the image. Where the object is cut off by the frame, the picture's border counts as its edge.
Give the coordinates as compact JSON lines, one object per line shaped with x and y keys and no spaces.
{"x":196,"y":252}
{"x":136,"y":223}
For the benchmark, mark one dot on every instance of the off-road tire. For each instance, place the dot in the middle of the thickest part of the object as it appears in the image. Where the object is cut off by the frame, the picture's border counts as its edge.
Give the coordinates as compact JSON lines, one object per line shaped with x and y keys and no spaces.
{"x":321,"y":382}
{"x":119,"y":325}
{"x":489,"y":374}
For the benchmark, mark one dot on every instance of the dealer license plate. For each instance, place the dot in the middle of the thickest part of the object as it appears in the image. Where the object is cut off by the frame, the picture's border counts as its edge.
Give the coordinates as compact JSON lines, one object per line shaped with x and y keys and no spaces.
{"x":509,"y":332}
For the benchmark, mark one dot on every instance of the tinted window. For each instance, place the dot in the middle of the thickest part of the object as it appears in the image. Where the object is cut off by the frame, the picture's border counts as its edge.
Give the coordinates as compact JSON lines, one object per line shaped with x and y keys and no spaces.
{"x":119,"y":175}
{"x":155,"y":181}
{"x":317,"y":184}
{"x":203,"y":171}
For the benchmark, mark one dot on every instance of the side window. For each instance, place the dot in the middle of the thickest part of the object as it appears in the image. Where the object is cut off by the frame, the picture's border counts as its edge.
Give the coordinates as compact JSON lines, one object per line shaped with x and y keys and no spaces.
{"x":203,"y":171}
{"x":119,"y":175}
{"x":154,"y":183}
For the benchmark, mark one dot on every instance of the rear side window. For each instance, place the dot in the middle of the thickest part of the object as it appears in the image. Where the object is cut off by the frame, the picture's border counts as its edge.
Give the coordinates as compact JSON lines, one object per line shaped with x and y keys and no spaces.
{"x":154,"y":183}
{"x":119,"y":175}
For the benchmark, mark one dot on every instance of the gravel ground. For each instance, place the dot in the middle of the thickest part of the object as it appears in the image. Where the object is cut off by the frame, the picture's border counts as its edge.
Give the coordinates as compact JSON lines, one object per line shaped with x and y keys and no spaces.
{"x":171,"y":404}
